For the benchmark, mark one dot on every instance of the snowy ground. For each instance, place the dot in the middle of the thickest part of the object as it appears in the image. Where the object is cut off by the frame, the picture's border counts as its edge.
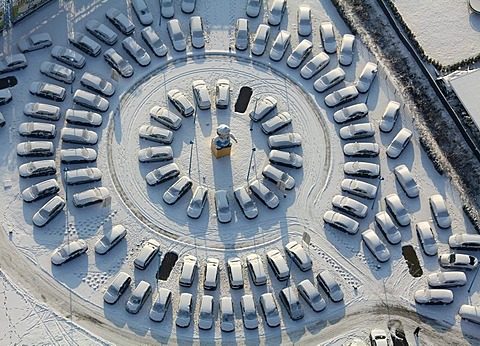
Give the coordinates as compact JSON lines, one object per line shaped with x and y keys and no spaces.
{"x":366,"y":284}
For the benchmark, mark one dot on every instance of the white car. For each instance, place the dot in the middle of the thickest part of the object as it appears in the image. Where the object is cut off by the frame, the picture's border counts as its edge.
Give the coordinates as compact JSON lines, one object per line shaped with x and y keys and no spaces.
{"x":249,"y":312}
{"x":35,"y":148}
{"x":118,"y":286}
{"x":165,"y":117}
{"x":253,"y":8}
{"x":289,"y":297}
{"x":378,"y":337}
{"x":447,"y":279}
{"x":181,"y":103}
{"x":155,"y":134}
{"x":398,"y":144}
{"x":311,"y":295}
{"x":299,"y":256}
{"x":98,"y":84}
{"x":142,"y":11}
{"x":366,"y":77}
{"x":90,"y":100}
{"x":387,"y":227}
{"x":359,"y":188}
{"x":327,"y":281}
{"x":205,"y":314}
{"x":457,"y":261}
{"x":246,"y":203}
{"x":362,"y":169}
{"x":464,"y":241}
{"x":328,"y":37}
{"x":470,"y":313}
{"x":80,"y":117}
{"x":262,"y":108}
{"x":315,"y":65}
{"x":196,"y":32}
{"x":39,"y":168}
{"x":440,"y":211}
{"x":85,"y":44}
{"x":350,"y":113}
{"x":40,"y":190}
{"x":342,"y":95}
{"x":397,"y":209}
{"x":78,"y":155}
{"x":58,"y":72}
{"x":299,"y":54}
{"x":176,"y":35}
{"x":227,"y":318}
{"x":120,"y":20}
{"x":185,"y":310}
{"x":304,"y":20}
{"x":279,"y":177}
{"x":256,"y":269}
{"x":12,"y":62}
{"x":235,"y":272}
{"x":361,"y":149}
{"x":167,"y":8}
{"x":260,"y":39}
{"x":68,"y":251}
{"x":188,"y":6}
{"x":160,"y":305}
{"x":341,"y":222}
{"x":136,"y":51}
{"x":149,"y":250}
{"x":285,"y":158}
{"x":83,"y":176}
{"x":346,"y":50}
{"x":79,"y":136}
{"x":284,"y":140}
{"x":155,"y":154}
{"x":138,"y":297}
{"x":48,"y":211}
{"x":5,"y":96}
{"x":406,"y":181}
{"x":161,"y":174}
{"x":269,"y":309}
{"x":241,"y":34}
{"x":34,"y":42}
{"x":264,"y":194}
{"x":189,"y":269}
{"x":154,"y":41}
{"x":390,"y":116}
{"x":116,"y":61}
{"x":68,"y":56}
{"x":357,"y":131}
{"x":222,"y":206}
{"x":222,"y":93}
{"x":200,"y":92}
{"x":210,"y":281}
{"x":110,"y":239}
{"x":37,"y":130}
{"x":102,"y":32}
{"x":350,"y":206}
{"x":197,"y":203}
{"x":276,"y":12}
{"x":92,"y":196}
{"x":177,"y":190}
{"x":329,"y":79}
{"x":434,"y":296}
{"x":280,"y":45}
{"x":276,"y":123}
{"x":375,"y":245}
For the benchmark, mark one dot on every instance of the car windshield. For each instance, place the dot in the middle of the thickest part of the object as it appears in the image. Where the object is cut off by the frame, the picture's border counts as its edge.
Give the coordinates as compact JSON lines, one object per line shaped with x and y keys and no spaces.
{"x":380,"y":248}
{"x":105,"y":241}
{"x":44,"y":213}
{"x":183,"y":313}
{"x":250,"y":315}
{"x":272,"y":312}
{"x":205,"y":315}
{"x":135,"y":299}
{"x":113,"y":290}
{"x":159,"y":306}
{"x":429,"y":240}
{"x":315,"y":298}
{"x":227,"y":317}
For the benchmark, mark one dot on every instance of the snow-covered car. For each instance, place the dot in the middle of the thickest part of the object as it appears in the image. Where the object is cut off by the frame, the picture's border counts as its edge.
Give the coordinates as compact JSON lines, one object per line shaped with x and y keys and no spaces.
{"x":83,"y":176}
{"x":189,"y":268}
{"x":357,"y":131}
{"x":42,"y":111}
{"x":349,"y":206}
{"x":205,"y":314}
{"x":12,"y":62}
{"x":110,"y":239}
{"x":37,"y":130}
{"x":304,"y":20}
{"x":279,"y":177}
{"x":81,"y":117}
{"x":136,"y":51}
{"x":269,"y":309}
{"x":289,"y":297}
{"x":256,"y":269}
{"x":285,"y":158}
{"x":262,"y":108}
{"x":155,"y":154}
{"x":284,"y":140}
{"x":406,"y":181}
{"x":311,"y":295}
{"x":440,"y":211}
{"x":118,"y":286}
{"x":98,"y":84}
{"x":79,"y":136}
{"x":160,"y":305}
{"x":161,"y":174}
{"x":188,"y":6}
{"x":85,"y":44}
{"x":260,"y":39}
{"x":155,"y":134}
{"x":91,"y":196}
{"x":398,"y":144}
{"x":390,"y":116}
{"x":378,"y":337}
{"x":68,"y":56}
{"x":48,"y":211}
{"x":447,"y":279}
{"x":227,"y":318}
{"x":120,"y":20}
{"x":315,"y":65}
{"x":48,"y":91}
{"x":397,"y":209}
{"x":375,"y":245}
{"x":464,"y":241}
{"x":298,"y":255}
{"x":197,"y":202}
{"x":165,"y":117}
{"x":40,"y":190}
{"x":153,"y":40}
{"x":185,"y":309}
{"x":91,"y":100}
{"x":341,"y":222}
{"x":176,"y":35}
{"x":264,"y":194}
{"x":366,"y":77}
{"x":457,"y":261}
{"x":328,"y":37}
{"x":68,"y":251}
{"x":241,"y":34}
{"x":34,"y":42}
{"x":37,"y":168}
{"x":57,"y":72}
{"x":139,"y":297}
{"x":340,"y":96}
{"x":329,"y":79}
{"x":5,"y":96}
{"x":181,"y":103}
{"x":470,"y":313}
{"x":200,"y":92}
{"x":346,"y":50}
{"x":246,"y":203}
{"x":249,"y":312}
{"x":361,"y":149}
{"x":299,"y":54}
{"x":210,"y":281}
{"x":222,"y":93}
{"x":167,"y":8}
{"x":235,"y":272}
{"x":196,"y":32}
{"x":280,"y":45}
{"x":117,"y":62}
{"x":328,"y":283}
{"x":362,"y":169}
{"x":35,"y":148}
{"x":177,"y":190}
{"x":78,"y":155}
{"x":277,"y":9}
{"x":149,"y":250}
{"x":222,"y":206}
{"x":387,"y":227}
{"x":253,"y":8}
{"x":142,"y":11}
{"x":359,"y":188}
{"x":434,"y":296}
{"x":102,"y":32}
{"x":276,"y":123}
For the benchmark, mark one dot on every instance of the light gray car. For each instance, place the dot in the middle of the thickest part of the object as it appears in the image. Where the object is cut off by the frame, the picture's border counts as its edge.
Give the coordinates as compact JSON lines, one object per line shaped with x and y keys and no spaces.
{"x":260,"y":39}
{"x":389,"y":116}
{"x":447,"y":279}
{"x":311,"y":295}
{"x":200,"y":92}
{"x":5,"y":96}
{"x":155,"y":134}
{"x":211,"y":274}
{"x":189,"y":269}
{"x":197,"y":202}
{"x":397,"y":209}
{"x":185,"y":309}
{"x":68,"y":56}
{"x":110,"y":239}
{"x":188,"y":6}
{"x":285,"y":158}
{"x":264,"y":194}
{"x":304,"y":20}
{"x":181,"y":103}
{"x":269,"y":309}
{"x":341,"y":222}
{"x":118,"y":286}
{"x":315,"y":65}
{"x":12,"y":62}
{"x":279,"y":177}
{"x":149,"y":250}
{"x":154,"y":41}
{"x":81,"y":117}
{"x":222,"y":206}
{"x":83,"y":176}
{"x":357,"y":131}
{"x":256,"y":269}
{"x":102,"y":32}
{"x":350,"y":206}
{"x":249,"y":312}
{"x":280,"y":45}
{"x":85,"y":44}
{"x":399,"y":143}
{"x":167,"y":9}
{"x":329,"y":79}
{"x":196,"y":32}
{"x":78,"y":155}
{"x":470,"y":313}
{"x":68,"y":251}
{"x":440,"y":211}
{"x":434,"y":296}
{"x":262,"y":108}
{"x":227,"y":318}
{"x":362,"y":169}
{"x":253,"y":8}
{"x":34,"y":42}
{"x":359,"y":188}
{"x":241,"y":34}
{"x":299,"y":256}
{"x":285,"y":140}
{"x":327,"y":281}
{"x":165,"y":117}
{"x":222,"y":93}
{"x":37,"y":168}
{"x":299,"y":54}
{"x":138,"y":297}
{"x":91,"y":196}
{"x":90,"y":100}
{"x":120,"y":21}
{"x":58,"y":72}
{"x":464,"y":241}
{"x":387,"y":227}
{"x":40,"y":190}
{"x":161,"y":304}
{"x":457,"y":261}
{"x":98,"y":84}
{"x":277,"y":9}
{"x":278,"y":264}
{"x":246,"y":203}
{"x":35,"y":148}
{"x":117,"y":62}
{"x":353,"y":112}
{"x":406,"y":181}
{"x":328,"y":37}
{"x":48,"y":211}
{"x":366,"y":77}
{"x":136,"y":51}
{"x":42,"y":111}
{"x":375,"y":245}
{"x":346,"y":50}
{"x":155,"y":154}
{"x":176,"y":35}
{"x":205,"y":315}
{"x":37,"y":130}
{"x":235,"y":272}
{"x":162,"y":174}
{"x":289,"y":297}
{"x":276,"y":123}
{"x":79,"y":136}
{"x":47,"y":90}
{"x":361,"y":149}
{"x":177,"y":190}
{"x":142,"y":11}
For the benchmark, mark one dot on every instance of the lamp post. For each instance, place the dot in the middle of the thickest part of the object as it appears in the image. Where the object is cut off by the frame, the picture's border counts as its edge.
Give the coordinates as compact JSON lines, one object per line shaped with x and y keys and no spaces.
{"x":250,"y":164}
{"x":190,"y":161}
{"x":380,"y":178}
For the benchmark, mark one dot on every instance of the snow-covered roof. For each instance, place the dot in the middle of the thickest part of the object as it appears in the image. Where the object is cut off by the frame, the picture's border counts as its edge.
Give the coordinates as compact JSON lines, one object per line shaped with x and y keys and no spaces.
{"x":467,"y":88}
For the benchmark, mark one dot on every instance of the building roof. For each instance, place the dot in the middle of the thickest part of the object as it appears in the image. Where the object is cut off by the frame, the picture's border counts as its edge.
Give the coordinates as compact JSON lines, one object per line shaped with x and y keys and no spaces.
{"x":467,"y":88}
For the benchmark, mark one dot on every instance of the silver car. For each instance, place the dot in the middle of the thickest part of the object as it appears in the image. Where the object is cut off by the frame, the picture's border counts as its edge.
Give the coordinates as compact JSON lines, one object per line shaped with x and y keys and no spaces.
{"x":311,"y":295}
{"x":342,"y":95}
{"x":161,"y":304}
{"x":470,"y":313}
{"x":176,"y":35}
{"x":328,"y":37}
{"x":397,"y":209}
{"x":98,"y":84}
{"x":211,"y":274}
{"x":48,"y":91}
{"x":116,"y":61}
{"x":48,"y":211}
{"x":222,"y":93}
{"x":83,"y":176}
{"x":80,"y":117}
{"x":285,"y":140}
{"x":241,"y":34}
{"x":110,"y":239}
{"x":246,"y":203}
{"x":188,"y":6}
{"x":167,"y":9}
{"x":165,"y":117}
{"x":58,"y":72}
{"x":279,"y":177}
{"x":329,"y":79}
{"x":362,"y":169}
{"x":149,"y":250}
{"x":447,"y":279}
{"x":350,"y":206}
{"x":260,"y":39}
{"x":299,"y":256}
{"x":353,"y":112}
{"x":185,"y":309}
{"x":398,"y":144}
{"x":197,"y":203}
{"x":227,"y":318}
{"x":162,"y":174}
{"x":375,"y":245}
{"x":68,"y":56}
{"x":41,"y":190}
{"x":102,"y":32}
{"x":12,"y":62}
{"x":361,"y":149}
{"x":359,"y":188}
{"x":249,"y":312}
{"x":406,"y":181}
{"x":388,"y":228}
{"x":299,"y":54}
{"x":315,"y":65}
{"x":390,"y":116}
{"x":256,"y":269}
{"x":200,"y":92}
{"x":78,"y":155}
{"x":464,"y":241}
{"x":42,"y":111}
{"x":346,"y":50}
{"x":91,"y":196}
{"x":5,"y":96}
{"x":155,"y":134}
{"x":262,"y":108}
{"x":222,"y":206}
{"x":341,"y":222}
{"x":37,"y":130}
{"x":136,"y":51}
{"x":38,"y":168}
{"x":34,"y":42}
{"x":357,"y":131}
{"x":269,"y":309}
{"x":235,"y":272}
{"x":457,"y":261}
{"x":189,"y":269}
{"x":285,"y":158}
{"x":278,"y":264}
{"x":177,"y":190}
{"x":118,"y":286}
{"x":142,"y":11}
{"x":205,"y":315}
{"x":277,"y":9}
{"x":264,"y":194}
{"x":276,"y":123}
{"x":155,"y":154}
{"x":434,"y":296}
{"x":366,"y":77}
{"x":90,"y":100}
{"x":440,"y":211}
{"x":35,"y":148}
{"x":304,"y":20}
{"x":327,"y":281}
{"x":79,"y":136}
{"x":120,"y":20}
{"x":196,"y":32}
{"x":289,"y":297}
{"x":181,"y":103}
{"x":68,"y":251}
{"x":280,"y":45}
{"x":253,"y":8}
{"x":138,"y":297}
{"x":85,"y":44}
{"x":154,"y":41}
